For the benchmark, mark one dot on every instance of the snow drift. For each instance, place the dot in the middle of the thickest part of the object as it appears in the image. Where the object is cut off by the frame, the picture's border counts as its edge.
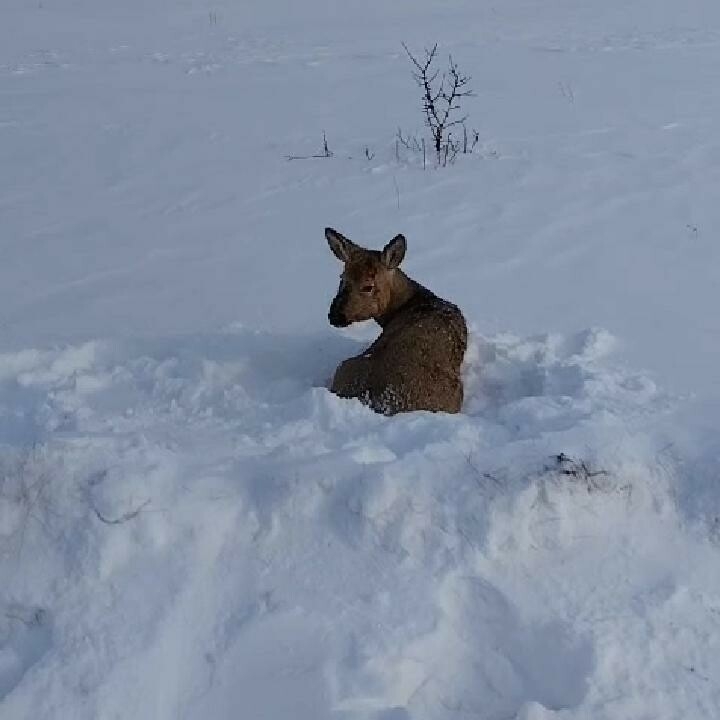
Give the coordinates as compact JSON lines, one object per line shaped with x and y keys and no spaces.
{"x":198,"y":519}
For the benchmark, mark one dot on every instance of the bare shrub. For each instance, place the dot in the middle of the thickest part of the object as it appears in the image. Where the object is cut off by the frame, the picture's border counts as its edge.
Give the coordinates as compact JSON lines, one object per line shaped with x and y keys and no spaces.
{"x":441,"y":95}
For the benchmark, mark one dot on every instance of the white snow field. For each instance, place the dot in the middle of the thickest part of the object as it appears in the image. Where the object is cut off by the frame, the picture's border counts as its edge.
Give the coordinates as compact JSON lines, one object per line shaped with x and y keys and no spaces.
{"x":193,"y":528}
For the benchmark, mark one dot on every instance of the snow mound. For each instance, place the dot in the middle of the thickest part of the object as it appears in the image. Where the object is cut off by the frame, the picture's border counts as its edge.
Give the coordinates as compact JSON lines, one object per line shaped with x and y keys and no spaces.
{"x":199,"y":519}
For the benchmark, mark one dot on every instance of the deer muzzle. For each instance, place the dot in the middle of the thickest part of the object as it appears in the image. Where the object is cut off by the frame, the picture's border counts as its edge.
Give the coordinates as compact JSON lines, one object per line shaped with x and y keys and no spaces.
{"x":337,"y":316}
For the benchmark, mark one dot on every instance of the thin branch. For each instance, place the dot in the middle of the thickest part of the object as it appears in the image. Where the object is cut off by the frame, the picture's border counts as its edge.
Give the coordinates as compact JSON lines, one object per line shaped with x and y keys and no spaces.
{"x":325,"y":153}
{"x":123,"y":518}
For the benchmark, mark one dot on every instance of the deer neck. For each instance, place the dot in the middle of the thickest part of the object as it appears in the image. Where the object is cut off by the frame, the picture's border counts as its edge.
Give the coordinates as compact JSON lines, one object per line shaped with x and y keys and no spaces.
{"x":402,"y":291}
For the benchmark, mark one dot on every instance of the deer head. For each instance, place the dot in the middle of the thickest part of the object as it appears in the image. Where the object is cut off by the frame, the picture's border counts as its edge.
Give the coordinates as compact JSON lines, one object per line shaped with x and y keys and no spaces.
{"x":368,"y":281}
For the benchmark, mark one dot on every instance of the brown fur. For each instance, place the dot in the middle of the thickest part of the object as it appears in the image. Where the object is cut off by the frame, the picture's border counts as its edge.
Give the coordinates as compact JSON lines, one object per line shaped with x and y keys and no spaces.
{"x":415,"y":363}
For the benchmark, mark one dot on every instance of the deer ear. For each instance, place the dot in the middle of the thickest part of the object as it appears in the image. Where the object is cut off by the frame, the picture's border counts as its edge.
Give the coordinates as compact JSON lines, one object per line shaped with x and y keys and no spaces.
{"x":340,"y":245}
{"x":394,"y":252}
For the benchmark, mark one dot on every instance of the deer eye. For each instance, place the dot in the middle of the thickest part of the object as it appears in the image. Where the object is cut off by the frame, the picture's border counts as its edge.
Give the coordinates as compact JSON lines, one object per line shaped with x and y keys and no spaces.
{"x":367,"y":289}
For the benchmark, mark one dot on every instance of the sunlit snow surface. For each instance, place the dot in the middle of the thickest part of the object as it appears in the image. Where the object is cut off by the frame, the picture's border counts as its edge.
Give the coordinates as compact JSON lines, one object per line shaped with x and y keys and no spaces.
{"x":193,"y":527}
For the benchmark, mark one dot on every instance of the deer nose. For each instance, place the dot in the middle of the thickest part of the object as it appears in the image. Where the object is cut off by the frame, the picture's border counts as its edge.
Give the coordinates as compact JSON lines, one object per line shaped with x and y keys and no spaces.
{"x":336,"y":317}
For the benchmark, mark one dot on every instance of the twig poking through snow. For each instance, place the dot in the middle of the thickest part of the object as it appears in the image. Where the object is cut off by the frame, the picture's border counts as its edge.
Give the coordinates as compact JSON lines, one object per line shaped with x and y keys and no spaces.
{"x":578,"y":469}
{"x":35,"y":619}
{"x":480,"y":475}
{"x":123,"y":518}
{"x":326,"y":152}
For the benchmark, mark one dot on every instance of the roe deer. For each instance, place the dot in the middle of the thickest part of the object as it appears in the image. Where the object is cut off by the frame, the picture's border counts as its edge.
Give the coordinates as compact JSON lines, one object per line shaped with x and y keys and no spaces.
{"x":415,"y":363}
